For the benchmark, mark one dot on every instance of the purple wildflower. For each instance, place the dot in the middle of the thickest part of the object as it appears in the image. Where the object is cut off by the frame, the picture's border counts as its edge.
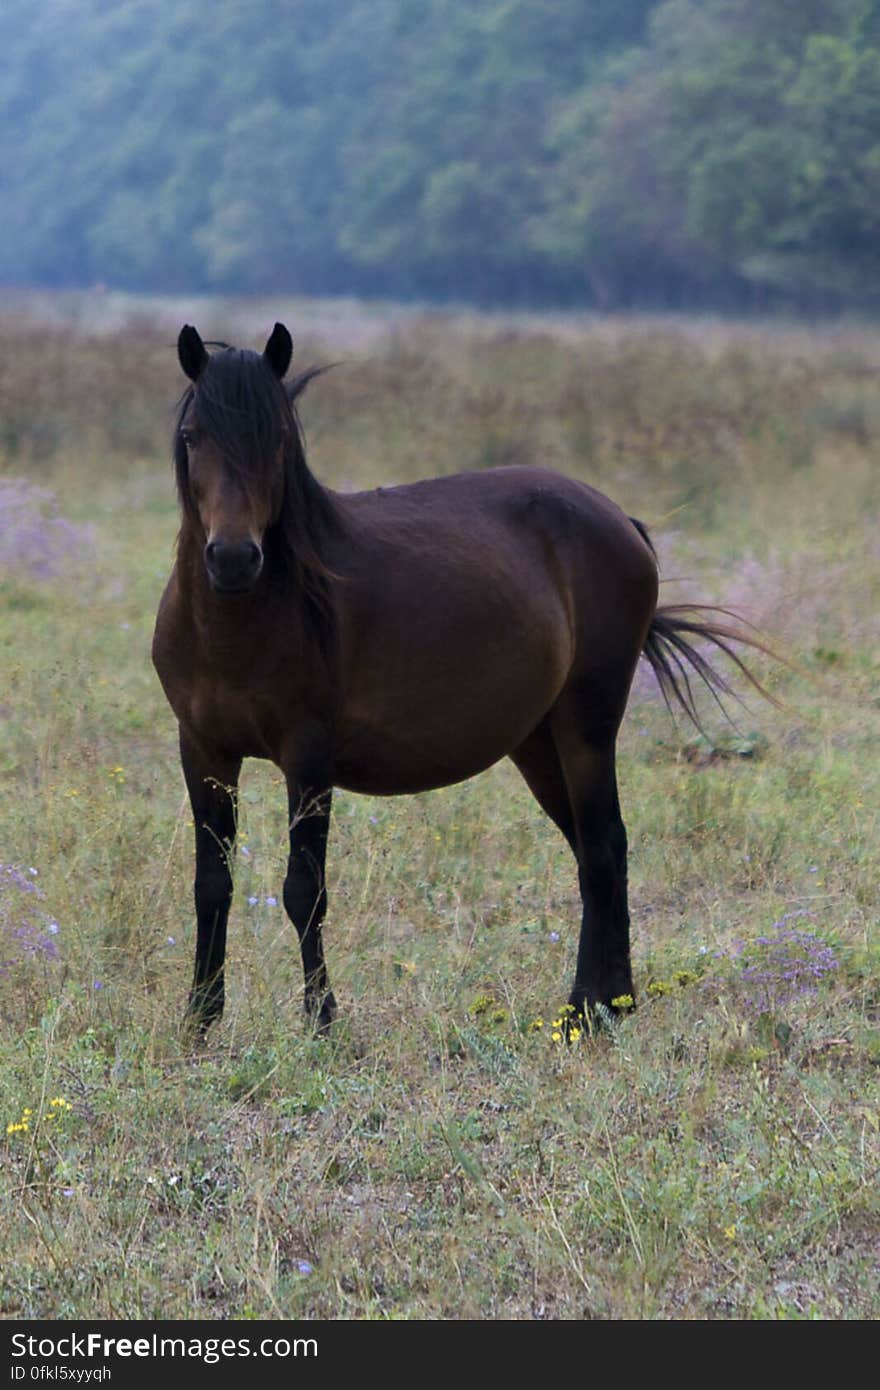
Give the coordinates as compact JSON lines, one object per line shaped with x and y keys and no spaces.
{"x":34,"y":539}
{"x":784,"y":964}
{"x":27,"y":932}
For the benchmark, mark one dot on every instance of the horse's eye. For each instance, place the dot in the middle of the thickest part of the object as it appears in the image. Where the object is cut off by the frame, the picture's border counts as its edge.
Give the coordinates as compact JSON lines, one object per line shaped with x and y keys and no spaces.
{"x":187,"y":438}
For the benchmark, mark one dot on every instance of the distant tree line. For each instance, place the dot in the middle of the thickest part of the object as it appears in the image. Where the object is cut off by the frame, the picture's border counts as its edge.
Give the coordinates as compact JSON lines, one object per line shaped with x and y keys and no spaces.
{"x":622,"y":153}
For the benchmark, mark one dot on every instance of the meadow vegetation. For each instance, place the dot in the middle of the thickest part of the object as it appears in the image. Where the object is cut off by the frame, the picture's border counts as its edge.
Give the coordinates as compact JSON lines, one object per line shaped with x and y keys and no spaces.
{"x":443,"y":1155}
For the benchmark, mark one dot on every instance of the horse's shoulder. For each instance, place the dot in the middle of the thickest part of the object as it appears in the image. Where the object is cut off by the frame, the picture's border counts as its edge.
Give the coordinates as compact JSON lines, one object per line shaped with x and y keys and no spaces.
{"x":173,"y":630}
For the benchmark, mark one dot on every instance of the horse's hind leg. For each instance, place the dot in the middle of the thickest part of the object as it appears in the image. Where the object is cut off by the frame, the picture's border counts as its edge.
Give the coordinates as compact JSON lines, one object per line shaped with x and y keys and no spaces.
{"x":603,"y":971}
{"x":539,"y":764}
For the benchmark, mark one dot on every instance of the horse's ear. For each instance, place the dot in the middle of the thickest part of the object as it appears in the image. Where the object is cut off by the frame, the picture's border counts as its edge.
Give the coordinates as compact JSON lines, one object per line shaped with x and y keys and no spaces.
{"x":192,"y":352}
{"x":279,"y":350}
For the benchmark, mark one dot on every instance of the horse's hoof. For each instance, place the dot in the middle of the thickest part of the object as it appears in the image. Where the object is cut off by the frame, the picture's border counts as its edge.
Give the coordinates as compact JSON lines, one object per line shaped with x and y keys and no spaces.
{"x":198,"y":1019}
{"x":321,"y":1014}
{"x":194,"y":1030}
{"x":595,"y":1018}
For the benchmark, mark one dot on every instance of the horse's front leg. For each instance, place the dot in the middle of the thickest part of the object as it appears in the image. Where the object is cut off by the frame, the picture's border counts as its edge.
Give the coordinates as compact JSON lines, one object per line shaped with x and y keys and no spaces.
{"x":212,"y":782}
{"x":305,"y":892}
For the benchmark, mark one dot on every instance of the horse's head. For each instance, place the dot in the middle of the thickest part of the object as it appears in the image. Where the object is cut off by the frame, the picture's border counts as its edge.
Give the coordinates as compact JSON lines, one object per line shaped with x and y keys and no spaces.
{"x":233,"y":430}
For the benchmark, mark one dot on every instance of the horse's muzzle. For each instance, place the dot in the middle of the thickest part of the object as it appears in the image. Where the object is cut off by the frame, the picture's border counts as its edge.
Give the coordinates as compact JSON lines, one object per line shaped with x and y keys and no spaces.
{"x":233,"y":566}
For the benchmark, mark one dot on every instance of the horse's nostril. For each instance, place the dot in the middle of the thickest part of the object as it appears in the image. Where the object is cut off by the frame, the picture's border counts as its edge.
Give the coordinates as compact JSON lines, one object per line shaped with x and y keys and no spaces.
{"x":233,"y":564}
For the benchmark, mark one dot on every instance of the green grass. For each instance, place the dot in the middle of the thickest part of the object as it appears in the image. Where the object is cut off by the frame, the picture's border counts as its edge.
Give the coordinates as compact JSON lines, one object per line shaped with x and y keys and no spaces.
{"x":440,"y":1156}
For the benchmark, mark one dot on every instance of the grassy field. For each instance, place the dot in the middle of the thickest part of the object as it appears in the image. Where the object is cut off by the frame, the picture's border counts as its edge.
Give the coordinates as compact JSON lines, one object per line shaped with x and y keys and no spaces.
{"x":442,"y":1156}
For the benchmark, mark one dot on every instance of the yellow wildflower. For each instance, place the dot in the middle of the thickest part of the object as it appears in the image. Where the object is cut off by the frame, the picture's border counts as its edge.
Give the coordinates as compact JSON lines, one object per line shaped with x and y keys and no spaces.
{"x":659,"y":987}
{"x":481,"y":1004}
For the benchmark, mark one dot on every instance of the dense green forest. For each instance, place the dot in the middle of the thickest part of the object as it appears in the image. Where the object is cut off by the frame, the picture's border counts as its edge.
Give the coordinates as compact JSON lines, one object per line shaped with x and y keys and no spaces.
{"x":621,"y":153}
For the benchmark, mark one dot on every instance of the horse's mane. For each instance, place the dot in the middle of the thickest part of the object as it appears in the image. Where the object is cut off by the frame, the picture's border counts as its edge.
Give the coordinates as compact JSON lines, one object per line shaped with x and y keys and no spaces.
{"x":241,"y":405}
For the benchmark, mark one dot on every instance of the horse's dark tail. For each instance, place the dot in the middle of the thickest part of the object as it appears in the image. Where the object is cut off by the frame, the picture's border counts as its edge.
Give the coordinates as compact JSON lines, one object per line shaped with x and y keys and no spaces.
{"x":674,"y":658}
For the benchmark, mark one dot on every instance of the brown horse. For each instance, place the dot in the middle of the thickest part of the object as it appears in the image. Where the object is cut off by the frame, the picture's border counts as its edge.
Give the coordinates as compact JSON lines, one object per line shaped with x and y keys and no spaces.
{"x":397,"y":640}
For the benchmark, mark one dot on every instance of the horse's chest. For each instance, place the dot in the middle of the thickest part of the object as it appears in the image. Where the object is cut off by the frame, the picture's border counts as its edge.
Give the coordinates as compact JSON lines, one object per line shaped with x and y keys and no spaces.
{"x":219,"y":691}
{"x":235,"y":716}
{"x":227,"y":705}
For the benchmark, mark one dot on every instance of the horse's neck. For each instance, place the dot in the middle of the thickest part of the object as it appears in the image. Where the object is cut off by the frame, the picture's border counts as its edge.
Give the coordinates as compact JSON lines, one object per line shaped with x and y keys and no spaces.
{"x":235,"y":632}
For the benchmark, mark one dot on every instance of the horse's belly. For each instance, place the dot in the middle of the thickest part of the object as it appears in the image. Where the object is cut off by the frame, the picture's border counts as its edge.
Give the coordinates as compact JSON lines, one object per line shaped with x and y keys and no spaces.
{"x":410,"y":746}
{"x":389,"y":766}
